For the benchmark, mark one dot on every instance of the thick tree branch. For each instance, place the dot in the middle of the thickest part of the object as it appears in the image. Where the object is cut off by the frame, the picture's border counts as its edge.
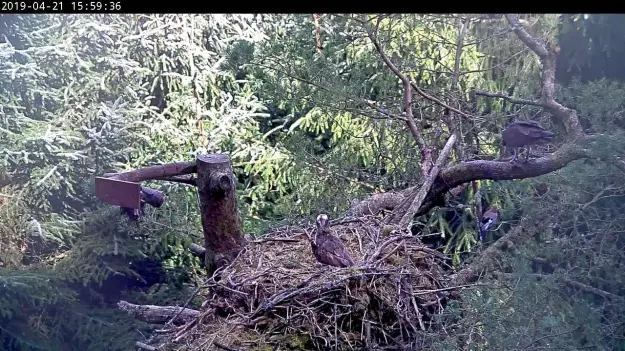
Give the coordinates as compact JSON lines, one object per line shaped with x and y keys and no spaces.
{"x":496,"y":170}
{"x":465,"y":172}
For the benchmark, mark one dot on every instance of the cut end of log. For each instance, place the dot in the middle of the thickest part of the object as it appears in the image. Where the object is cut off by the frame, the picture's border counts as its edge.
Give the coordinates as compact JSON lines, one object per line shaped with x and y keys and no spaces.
{"x":214,"y":158}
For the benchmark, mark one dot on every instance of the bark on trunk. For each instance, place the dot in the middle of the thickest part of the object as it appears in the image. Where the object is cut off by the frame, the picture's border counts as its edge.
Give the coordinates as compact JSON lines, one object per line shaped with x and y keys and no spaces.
{"x":223,"y":237}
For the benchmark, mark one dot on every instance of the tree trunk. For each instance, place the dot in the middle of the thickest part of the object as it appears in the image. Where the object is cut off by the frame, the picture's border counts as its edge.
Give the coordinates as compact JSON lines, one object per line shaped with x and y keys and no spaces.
{"x":223,"y":237}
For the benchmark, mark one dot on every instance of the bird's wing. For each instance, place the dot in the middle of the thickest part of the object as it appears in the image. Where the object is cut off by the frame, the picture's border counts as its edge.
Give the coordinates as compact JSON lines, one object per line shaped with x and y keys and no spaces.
{"x":489,"y":214}
{"x":530,"y":124}
{"x":338,"y":250}
{"x":486,"y":223}
{"x":536,"y":133}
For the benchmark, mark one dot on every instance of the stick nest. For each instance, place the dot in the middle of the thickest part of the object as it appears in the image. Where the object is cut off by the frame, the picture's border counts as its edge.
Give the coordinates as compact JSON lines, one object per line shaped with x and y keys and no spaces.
{"x":276,"y":294}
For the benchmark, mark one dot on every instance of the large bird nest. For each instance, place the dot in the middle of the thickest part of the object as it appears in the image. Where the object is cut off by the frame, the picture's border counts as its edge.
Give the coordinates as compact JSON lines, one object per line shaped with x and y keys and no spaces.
{"x":275,"y":293}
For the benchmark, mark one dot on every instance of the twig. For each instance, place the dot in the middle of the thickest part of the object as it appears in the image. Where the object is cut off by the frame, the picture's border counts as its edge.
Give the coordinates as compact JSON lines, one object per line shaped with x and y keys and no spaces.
{"x":508,"y":98}
{"x":383,"y":246}
{"x":145,"y":346}
{"x":284,"y":240}
{"x":224,"y":347}
{"x":597,"y":197}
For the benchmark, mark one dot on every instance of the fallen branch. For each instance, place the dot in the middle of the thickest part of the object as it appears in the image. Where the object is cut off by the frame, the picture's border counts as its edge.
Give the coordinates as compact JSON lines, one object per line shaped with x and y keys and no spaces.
{"x":158,"y":314}
{"x":593,"y":290}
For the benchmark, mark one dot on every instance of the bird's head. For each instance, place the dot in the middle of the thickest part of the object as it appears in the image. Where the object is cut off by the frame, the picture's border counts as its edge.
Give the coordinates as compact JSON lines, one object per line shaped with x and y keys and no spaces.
{"x":494,"y":208}
{"x":322,"y":221}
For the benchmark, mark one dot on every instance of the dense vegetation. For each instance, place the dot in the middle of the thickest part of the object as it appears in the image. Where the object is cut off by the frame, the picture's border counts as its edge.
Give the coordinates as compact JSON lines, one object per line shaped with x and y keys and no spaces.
{"x":314,"y":121}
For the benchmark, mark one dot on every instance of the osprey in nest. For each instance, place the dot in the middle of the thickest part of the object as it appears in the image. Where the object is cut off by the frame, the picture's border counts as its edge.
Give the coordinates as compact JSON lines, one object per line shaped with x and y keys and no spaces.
{"x":329,"y":249}
{"x":524,"y":133}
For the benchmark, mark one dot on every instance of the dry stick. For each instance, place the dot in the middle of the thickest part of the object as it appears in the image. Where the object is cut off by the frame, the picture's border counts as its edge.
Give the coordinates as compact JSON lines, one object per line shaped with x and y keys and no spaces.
{"x":145,"y":346}
{"x":429,"y":180}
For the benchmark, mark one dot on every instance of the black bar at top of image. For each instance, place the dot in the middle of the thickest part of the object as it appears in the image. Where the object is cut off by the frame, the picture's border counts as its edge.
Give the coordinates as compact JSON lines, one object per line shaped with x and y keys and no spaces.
{"x":139,"y":6}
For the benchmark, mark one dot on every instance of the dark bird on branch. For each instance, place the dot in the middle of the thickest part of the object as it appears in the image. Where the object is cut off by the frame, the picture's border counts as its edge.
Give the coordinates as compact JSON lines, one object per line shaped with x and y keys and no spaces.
{"x":329,"y":249}
{"x":524,"y":133}
{"x":488,"y":218}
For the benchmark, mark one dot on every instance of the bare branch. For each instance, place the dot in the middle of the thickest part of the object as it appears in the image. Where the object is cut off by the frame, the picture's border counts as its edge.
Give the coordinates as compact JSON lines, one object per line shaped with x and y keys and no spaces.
{"x":427,"y":184}
{"x":510,"y":99}
{"x":465,"y":172}
{"x":158,"y":314}
{"x":426,"y":152}
{"x":435,"y":100}
{"x":459,"y":46}
{"x":318,"y":46}
{"x":568,"y":117}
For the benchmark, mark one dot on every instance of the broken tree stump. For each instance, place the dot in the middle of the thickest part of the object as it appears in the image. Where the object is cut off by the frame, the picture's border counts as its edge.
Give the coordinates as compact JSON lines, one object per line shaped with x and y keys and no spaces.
{"x":223,"y":237}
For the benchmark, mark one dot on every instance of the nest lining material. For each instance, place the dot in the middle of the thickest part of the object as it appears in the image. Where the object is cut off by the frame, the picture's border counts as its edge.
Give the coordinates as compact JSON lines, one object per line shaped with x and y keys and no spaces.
{"x":276,"y":293}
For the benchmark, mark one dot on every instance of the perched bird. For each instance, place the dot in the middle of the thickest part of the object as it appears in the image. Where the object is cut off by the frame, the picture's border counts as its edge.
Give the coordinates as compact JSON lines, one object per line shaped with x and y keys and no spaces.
{"x":489,"y":217}
{"x":327,"y":248}
{"x":524,"y":133}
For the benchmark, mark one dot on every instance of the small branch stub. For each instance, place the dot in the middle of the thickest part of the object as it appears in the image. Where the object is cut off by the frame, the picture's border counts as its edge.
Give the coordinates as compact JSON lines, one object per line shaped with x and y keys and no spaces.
{"x":223,"y":237}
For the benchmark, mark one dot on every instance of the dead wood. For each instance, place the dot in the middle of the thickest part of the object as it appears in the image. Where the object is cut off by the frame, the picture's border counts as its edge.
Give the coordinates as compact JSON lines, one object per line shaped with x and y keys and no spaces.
{"x":158,"y":314}
{"x":223,"y":237}
{"x":429,"y":180}
{"x":155,"y":172}
{"x":275,"y":288}
{"x":426,"y":152}
{"x":572,"y":283}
